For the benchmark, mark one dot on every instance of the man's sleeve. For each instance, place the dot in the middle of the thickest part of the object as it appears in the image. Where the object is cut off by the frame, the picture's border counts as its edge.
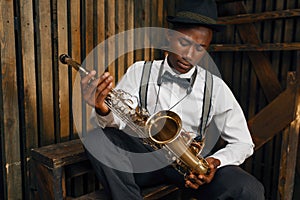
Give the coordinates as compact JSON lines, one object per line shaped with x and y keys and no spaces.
{"x":232,"y":125}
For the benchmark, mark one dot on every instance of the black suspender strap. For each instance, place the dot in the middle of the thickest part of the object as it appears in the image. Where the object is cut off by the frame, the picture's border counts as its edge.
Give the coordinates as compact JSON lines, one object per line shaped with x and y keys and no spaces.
{"x":206,"y":104}
{"x":144,"y":83}
{"x":206,"y":99}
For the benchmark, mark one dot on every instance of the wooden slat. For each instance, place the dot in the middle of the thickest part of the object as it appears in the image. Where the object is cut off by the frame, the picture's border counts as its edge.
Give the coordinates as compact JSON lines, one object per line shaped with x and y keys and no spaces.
{"x":287,"y":57}
{"x":288,"y":161}
{"x":276,"y":37}
{"x":255,"y":47}
{"x":273,"y":118}
{"x":101,"y":34}
{"x":46,"y":73}
{"x":57,"y":155}
{"x":100,"y":53}
{"x":261,"y":64}
{"x":252,"y":94}
{"x":147,"y":20}
{"x":130,"y":25}
{"x":139,"y":23}
{"x":255,"y":17}
{"x":29,"y":130}
{"x":13,"y":185}
{"x":290,"y":143}
{"x":251,"y":110}
{"x":252,"y":85}
{"x":89,"y":28}
{"x":226,"y":60}
{"x":297,"y":38}
{"x":245,"y":82}
{"x":75,"y":29}
{"x":29,"y":72}
{"x":269,"y":146}
{"x":236,"y":71}
{"x":110,"y":32}
{"x":63,"y":71}
{"x":154,"y":16}
{"x":275,"y":167}
{"x":75,"y":53}
{"x":160,"y":13}
{"x":169,"y":9}
{"x":90,"y":54}
{"x":121,"y":39}
{"x":249,"y":7}
{"x":3,"y":191}
{"x":158,"y":21}
{"x":89,"y":35}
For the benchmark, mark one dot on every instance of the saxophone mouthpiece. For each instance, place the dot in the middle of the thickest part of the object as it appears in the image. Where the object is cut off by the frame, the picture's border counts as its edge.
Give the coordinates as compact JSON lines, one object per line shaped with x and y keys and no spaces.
{"x":63,"y":58}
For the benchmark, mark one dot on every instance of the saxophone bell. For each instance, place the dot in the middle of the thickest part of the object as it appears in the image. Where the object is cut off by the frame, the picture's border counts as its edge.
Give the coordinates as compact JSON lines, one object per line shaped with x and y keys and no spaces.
{"x":165,"y":128}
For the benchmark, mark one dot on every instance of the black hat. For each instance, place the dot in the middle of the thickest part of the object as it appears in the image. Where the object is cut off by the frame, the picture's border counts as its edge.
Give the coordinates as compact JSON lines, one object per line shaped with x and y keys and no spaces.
{"x":198,"y":12}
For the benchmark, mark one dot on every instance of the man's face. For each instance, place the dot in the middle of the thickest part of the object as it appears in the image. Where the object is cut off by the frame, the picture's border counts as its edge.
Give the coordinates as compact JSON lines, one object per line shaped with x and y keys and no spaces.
{"x":188,"y":47}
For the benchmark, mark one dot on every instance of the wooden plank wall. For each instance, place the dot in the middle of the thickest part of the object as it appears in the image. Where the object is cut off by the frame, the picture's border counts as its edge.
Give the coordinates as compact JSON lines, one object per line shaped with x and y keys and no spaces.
{"x":238,"y":71}
{"x":35,"y":103}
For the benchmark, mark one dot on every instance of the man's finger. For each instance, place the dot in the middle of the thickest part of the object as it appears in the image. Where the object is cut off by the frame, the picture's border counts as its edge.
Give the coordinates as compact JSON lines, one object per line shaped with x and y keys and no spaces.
{"x":87,"y":79}
{"x":191,"y":185}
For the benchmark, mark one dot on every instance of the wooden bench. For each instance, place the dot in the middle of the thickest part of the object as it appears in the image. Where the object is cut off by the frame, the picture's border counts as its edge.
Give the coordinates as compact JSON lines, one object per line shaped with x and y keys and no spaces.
{"x":55,"y":165}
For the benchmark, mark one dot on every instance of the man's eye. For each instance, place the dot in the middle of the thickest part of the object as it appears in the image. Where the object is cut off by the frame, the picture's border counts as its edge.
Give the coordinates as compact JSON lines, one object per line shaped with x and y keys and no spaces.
{"x":183,"y":43}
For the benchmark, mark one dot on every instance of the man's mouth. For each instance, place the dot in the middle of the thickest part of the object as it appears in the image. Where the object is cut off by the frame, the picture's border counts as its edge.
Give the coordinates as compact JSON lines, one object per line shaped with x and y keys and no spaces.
{"x":184,"y":65}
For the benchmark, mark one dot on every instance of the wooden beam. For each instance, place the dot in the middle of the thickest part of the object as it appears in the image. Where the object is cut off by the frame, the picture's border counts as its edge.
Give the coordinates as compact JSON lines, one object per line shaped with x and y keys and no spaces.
{"x":289,"y":146}
{"x":255,"y":47}
{"x":261,"y":64}
{"x":10,"y":132}
{"x":288,"y":160}
{"x":255,"y":17}
{"x":273,"y":118}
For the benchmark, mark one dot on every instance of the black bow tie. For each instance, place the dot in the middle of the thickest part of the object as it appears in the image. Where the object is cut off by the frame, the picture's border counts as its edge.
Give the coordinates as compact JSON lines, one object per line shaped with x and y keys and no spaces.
{"x":168,"y":77}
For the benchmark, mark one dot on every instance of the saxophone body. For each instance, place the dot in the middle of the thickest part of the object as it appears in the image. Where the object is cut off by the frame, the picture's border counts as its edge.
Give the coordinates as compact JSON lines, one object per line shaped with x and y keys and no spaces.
{"x":160,"y":130}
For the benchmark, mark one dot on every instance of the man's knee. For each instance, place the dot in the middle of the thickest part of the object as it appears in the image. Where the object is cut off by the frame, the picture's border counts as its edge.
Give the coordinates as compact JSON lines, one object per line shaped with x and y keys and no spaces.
{"x":252,"y":190}
{"x":238,"y":184}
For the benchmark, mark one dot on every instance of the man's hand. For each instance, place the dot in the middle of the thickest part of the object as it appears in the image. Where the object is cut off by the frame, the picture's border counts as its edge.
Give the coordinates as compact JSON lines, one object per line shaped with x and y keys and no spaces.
{"x":95,"y":91}
{"x":194,"y":180}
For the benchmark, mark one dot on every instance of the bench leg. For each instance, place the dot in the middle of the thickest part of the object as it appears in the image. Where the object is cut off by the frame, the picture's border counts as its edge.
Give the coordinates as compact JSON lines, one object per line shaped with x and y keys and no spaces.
{"x":50,"y":182}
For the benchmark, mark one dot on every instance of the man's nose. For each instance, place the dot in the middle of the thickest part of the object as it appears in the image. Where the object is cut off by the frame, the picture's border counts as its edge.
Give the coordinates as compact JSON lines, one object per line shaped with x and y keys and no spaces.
{"x":189,"y":54}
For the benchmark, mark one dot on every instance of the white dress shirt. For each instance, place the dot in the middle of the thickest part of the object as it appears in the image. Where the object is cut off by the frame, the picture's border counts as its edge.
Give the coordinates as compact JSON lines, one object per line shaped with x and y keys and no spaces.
{"x":225,"y":110}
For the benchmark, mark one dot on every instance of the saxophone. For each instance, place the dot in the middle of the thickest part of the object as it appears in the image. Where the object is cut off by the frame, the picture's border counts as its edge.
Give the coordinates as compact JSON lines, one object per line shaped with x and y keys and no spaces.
{"x":160,"y":130}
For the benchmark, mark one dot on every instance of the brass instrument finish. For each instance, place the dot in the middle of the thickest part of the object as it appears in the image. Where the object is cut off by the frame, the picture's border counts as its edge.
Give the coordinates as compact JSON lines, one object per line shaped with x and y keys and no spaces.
{"x":160,"y":130}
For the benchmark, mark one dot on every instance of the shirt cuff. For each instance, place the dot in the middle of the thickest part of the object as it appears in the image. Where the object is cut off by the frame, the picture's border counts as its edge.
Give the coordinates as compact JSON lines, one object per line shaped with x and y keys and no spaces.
{"x":229,"y":155}
{"x":102,"y":121}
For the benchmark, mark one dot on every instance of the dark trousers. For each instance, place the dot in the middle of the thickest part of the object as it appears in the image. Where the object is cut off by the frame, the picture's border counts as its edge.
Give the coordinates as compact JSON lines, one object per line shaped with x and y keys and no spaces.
{"x":121,"y":170}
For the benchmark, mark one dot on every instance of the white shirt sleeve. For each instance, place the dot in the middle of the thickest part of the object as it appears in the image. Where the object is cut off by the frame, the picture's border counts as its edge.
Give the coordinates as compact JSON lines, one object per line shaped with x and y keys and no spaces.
{"x":230,"y":121}
{"x":103,"y":121}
